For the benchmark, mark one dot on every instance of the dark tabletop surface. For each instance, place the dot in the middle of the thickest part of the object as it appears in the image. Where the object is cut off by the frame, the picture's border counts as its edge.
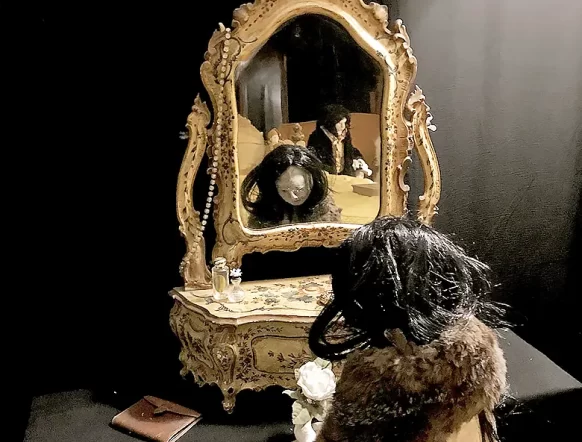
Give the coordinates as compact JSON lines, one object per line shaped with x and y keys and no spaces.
{"x":546,"y":400}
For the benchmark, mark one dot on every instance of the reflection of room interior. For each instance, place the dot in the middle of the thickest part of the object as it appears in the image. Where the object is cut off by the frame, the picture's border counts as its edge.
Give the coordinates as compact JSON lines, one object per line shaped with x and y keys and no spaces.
{"x":356,"y":208}
{"x":262,"y":89}
{"x":309,"y":63}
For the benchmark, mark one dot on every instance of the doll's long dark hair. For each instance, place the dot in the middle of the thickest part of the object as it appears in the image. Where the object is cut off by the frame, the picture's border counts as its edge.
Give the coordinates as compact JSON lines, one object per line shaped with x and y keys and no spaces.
{"x":399,"y":273}
{"x":259,"y":191}
{"x":330,"y":116}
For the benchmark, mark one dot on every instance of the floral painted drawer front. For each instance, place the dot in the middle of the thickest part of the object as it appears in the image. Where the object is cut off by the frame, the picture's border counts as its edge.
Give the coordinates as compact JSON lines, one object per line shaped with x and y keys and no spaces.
{"x":291,"y":296}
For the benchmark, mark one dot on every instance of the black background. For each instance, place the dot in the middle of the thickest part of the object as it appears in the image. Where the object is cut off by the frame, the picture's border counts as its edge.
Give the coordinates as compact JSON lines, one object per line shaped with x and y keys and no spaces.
{"x":100,"y":94}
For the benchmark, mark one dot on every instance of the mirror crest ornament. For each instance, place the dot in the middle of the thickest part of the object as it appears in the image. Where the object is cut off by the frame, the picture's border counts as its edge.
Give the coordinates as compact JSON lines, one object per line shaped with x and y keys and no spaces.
{"x":403,"y":128}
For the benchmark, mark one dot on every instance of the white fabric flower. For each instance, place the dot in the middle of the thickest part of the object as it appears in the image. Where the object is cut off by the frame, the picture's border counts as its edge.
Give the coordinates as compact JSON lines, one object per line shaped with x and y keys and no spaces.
{"x":304,"y":433}
{"x":299,"y":414}
{"x":317,"y":383}
{"x":317,"y":426}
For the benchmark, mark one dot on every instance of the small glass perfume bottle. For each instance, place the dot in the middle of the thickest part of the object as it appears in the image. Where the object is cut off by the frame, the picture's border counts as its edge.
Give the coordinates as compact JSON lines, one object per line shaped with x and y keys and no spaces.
{"x":236,"y":292}
{"x":219,"y":279}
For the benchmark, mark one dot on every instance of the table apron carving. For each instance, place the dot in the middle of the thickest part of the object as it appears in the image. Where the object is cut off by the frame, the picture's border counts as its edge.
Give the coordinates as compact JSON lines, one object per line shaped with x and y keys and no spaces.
{"x":252,"y":355}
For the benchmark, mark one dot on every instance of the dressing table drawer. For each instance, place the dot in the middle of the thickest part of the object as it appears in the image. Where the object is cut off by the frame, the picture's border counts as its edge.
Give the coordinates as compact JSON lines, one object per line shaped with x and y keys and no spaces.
{"x":249,"y":345}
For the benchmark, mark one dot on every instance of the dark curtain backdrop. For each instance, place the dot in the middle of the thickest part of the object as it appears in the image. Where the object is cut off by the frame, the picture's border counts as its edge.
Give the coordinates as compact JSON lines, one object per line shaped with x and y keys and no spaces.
{"x":101,"y":94}
{"x":504,"y":82}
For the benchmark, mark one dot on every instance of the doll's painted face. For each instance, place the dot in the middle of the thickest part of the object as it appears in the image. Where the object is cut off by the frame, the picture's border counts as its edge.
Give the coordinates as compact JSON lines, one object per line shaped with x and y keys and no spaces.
{"x":294,"y":185}
{"x":341,"y":128}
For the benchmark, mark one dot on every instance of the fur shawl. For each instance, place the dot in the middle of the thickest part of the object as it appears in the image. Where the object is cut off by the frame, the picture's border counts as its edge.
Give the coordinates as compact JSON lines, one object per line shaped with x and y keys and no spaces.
{"x":410,"y":393}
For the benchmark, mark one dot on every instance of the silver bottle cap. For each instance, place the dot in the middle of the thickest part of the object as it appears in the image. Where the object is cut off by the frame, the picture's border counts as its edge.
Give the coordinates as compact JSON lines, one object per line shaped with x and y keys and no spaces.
{"x":220,"y":261}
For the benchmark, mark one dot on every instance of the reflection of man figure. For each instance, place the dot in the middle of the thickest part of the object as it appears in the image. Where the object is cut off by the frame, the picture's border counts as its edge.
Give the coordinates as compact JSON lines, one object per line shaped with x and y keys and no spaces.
{"x":337,"y":143}
{"x":331,"y":142}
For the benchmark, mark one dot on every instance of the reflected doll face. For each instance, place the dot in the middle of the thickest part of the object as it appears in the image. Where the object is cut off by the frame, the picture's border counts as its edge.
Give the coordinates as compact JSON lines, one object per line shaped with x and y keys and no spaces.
{"x":294,"y":185}
{"x":340,"y":127}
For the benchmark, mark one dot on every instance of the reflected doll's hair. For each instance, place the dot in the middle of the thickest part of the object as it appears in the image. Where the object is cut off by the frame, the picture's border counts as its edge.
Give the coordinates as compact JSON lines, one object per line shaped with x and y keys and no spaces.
{"x":399,"y":273}
{"x":332,"y":114}
{"x":259,"y":193}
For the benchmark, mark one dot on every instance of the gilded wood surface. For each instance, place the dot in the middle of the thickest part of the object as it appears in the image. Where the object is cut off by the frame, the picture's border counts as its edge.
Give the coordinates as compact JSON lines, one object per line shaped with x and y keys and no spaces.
{"x":291,"y":297}
{"x":427,"y":205}
{"x":193,"y":267}
{"x":249,"y":345}
{"x":251,"y":355}
{"x":401,"y":127}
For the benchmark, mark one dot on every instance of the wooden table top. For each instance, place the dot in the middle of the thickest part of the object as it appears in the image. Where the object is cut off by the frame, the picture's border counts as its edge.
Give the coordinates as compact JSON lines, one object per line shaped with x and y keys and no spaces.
{"x":295,"y":297}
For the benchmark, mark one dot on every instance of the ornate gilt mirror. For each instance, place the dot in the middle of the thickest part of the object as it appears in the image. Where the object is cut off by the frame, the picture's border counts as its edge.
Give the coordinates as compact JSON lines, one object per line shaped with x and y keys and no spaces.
{"x":308,"y":75}
{"x":315,"y":120}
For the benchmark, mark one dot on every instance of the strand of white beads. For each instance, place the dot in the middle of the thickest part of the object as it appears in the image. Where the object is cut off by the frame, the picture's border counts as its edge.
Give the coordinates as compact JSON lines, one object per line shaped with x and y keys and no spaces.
{"x":213,"y":159}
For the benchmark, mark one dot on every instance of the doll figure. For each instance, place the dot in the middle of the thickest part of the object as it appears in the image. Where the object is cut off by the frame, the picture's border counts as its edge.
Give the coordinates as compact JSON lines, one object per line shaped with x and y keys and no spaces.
{"x":331,"y":142}
{"x":288,"y":186}
{"x":421,"y":360}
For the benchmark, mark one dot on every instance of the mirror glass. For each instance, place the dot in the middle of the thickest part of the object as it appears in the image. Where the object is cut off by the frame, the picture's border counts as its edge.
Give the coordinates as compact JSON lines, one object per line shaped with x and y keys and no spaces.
{"x":309,"y":104}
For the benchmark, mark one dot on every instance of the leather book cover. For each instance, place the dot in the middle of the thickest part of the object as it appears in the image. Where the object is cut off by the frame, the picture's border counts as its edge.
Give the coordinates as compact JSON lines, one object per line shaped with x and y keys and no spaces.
{"x":157,"y":419}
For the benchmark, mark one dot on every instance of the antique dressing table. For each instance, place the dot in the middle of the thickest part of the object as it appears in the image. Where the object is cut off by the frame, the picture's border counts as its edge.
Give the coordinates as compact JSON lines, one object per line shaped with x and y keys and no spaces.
{"x":253,"y":73}
{"x":252,"y":344}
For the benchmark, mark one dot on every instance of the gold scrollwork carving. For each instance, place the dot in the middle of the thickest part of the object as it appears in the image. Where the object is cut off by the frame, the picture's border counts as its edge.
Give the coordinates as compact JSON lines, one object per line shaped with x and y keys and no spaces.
{"x":193,"y":267}
{"x":420,"y":121}
{"x":253,"y":23}
{"x":237,"y":357}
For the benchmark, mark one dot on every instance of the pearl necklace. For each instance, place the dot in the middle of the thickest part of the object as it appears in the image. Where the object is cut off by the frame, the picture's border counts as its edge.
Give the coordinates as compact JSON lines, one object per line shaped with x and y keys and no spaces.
{"x":213,"y":159}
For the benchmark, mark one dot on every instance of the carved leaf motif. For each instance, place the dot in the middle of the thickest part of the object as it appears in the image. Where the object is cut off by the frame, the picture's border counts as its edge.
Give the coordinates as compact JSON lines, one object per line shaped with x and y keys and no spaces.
{"x":420,"y":125}
{"x":415,"y":97}
{"x":241,"y":14}
{"x":193,"y":267}
{"x":213,"y":44}
{"x":200,"y":115}
{"x":380,"y":11}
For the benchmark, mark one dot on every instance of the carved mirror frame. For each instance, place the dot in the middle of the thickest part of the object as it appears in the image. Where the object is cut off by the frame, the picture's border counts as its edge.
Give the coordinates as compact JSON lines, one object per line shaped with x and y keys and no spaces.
{"x":403,"y":128}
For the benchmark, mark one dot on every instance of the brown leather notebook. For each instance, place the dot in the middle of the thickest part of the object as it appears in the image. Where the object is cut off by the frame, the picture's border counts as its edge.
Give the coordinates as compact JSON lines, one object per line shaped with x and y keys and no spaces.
{"x":156,"y":419}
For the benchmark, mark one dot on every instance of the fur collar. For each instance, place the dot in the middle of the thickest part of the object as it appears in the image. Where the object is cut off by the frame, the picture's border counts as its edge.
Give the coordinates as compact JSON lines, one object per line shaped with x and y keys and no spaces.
{"x":410,"y":393}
